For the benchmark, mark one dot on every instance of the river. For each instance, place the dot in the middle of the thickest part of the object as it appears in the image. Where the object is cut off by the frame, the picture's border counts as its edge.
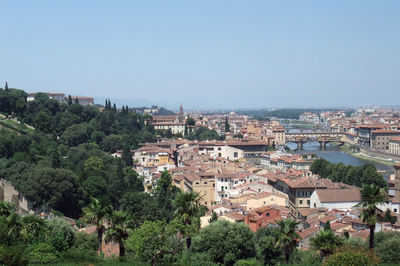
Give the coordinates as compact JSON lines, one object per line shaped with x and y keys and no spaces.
{"x":334,"y":155}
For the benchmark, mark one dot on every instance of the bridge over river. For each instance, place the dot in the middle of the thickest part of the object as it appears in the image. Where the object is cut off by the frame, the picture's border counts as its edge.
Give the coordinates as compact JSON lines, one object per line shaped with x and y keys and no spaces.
{"x":322,"y":137}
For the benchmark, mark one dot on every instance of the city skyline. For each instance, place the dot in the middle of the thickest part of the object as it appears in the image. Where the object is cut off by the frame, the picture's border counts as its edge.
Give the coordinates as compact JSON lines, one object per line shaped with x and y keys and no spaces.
{"x":206,"y":55}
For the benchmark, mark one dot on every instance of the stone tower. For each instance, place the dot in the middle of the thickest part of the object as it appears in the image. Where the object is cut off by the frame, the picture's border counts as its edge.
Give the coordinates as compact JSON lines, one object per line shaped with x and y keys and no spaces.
{"x":181,"y":115}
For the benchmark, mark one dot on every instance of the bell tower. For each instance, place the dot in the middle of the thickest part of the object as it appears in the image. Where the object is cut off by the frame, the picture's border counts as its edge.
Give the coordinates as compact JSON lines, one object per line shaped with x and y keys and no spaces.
{"x":181,"y":116}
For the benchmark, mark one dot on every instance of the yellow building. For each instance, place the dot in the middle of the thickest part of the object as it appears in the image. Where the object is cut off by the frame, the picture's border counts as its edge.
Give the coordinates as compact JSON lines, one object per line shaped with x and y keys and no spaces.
{"x":265,"y":199}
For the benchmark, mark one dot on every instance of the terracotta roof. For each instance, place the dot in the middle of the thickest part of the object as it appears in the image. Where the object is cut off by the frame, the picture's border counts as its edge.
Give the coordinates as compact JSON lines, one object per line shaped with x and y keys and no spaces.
{"x":338,"y":195}
{"x":235,"y":216}
{"x":363,"y":234}
{"x":311,"y":231}
{"x":382,"y":131}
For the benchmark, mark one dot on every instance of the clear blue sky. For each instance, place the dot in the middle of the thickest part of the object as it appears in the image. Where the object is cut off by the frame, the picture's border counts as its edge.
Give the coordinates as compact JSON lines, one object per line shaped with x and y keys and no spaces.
{"x":226,"y":54}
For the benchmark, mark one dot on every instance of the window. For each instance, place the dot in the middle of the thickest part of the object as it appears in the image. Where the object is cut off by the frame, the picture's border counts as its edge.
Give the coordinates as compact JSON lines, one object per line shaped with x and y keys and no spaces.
{"x":235,"y":154}
{"x":219,"y":154}
{"x":205,"y":203}
{"x":301,"y":201}
{"x":308,"y":202}
{"x":395,"y":210}
{"x":205,"y":183}
{"x":267,"y":214}
{"x":219,"y":148}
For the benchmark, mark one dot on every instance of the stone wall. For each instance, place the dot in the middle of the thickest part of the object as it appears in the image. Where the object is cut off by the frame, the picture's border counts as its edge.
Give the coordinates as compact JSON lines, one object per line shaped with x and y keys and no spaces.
{"x":379,"y":154}
{"x":10,"y":194}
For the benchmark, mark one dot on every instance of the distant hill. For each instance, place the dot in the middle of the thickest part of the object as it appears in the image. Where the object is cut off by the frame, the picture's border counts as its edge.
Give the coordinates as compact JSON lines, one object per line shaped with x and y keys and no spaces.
{"x":163,"y":111}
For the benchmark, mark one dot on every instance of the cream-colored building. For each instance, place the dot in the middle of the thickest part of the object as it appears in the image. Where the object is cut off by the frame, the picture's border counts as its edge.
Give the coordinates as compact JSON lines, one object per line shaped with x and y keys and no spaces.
{"x":152,"y":156}
{"x":202,"y":183}
{"x":175,"y":127}
{"x":394,"y":145}
{"x":227,"y":152}
{"x":265,"y":199}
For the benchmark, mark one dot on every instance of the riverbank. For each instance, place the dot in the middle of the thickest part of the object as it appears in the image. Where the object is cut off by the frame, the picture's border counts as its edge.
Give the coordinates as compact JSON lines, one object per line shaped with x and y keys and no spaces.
{"x":349,"y":149}
{"x":365,"y":157}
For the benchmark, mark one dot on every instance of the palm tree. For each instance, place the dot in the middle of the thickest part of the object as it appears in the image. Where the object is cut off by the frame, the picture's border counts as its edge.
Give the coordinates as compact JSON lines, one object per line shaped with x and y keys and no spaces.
{"x":97,"y":212}
{"x":118,"y":230}
{"x":371,"y":196}
{"x":188,"y":209}
{"x":287,"y":236}
{"x":326,"y":242}
{"x":32,"y":227}
{"x":6,"y":208}
{"x":10,"y":228}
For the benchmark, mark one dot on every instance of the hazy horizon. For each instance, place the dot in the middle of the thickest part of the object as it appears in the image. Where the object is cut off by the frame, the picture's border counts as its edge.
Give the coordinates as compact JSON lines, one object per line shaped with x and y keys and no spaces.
{"x":208,"y":55}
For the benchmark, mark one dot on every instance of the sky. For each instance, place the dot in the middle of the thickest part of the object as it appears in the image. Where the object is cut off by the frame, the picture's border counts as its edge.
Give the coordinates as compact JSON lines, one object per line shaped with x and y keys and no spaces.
{"x":205,"y":54}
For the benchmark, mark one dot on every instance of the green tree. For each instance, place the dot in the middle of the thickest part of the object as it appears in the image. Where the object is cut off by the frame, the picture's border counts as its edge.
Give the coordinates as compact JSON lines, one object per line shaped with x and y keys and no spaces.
{"x":388,"y":250}
{"x":227,"y":126}
{"x":6,"y":208}
{"x":156,"y":242}
{"x":388,"y":217}
{"x":55,"y":159}
{"x":165,"y":193}
{"x":118,"y":230}
{"x":352,"y":256}
{"x":127,"y":155}
{"x":371,"y":196}
{"x":267,"y":252}
{"x":225,"y":242}
{"x":141,"y":207}
{"x":326,"y":242}
{"x":75,"y":135}
{"x":61,"y":235}
{"x":97,"y":212}
{"x":43,"y":122}
{"x":188,"y":210}
{"x":287,"y":236}
{"x":55,"y":189}
{"x":190,"y":122}
{"x":213,"y":218}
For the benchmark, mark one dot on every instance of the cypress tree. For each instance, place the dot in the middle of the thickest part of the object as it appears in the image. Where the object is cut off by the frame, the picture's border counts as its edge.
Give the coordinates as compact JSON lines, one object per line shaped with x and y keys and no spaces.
{"x":76,"y":100}
{"x":6,"y":87}
{"x":69,"y":99}
{"x":55,"y":159}
{"x":227,"y":126}
{"x":127,"y":155}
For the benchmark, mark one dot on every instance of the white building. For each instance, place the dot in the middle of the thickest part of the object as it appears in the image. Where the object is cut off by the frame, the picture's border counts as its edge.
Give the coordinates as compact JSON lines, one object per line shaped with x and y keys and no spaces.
{"x":338,"y":199}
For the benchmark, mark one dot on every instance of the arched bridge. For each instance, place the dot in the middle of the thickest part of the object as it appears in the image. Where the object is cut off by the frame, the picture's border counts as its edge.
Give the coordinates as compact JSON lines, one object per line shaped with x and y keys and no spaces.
{"x":322,"y":137}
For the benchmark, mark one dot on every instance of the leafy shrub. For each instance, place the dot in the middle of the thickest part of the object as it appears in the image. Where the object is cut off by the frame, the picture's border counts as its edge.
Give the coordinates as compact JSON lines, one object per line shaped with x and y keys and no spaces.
{"x":195,"y":259}
{"x":352,"y":256}
{"x":248,"y":262}
{"x":61,"y":234}
{"x":42,"y":253}
{"x":306,"y":257}
{"x":13,"y":255}
{"x":225,"y":242}
{"x":389,"y":250}
{"x":86,"y":242}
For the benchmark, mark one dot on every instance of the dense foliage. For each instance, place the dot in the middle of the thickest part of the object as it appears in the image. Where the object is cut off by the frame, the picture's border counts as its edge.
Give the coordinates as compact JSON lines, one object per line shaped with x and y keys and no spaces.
{"x":62,"y":163}
{"x":348,"y":174}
